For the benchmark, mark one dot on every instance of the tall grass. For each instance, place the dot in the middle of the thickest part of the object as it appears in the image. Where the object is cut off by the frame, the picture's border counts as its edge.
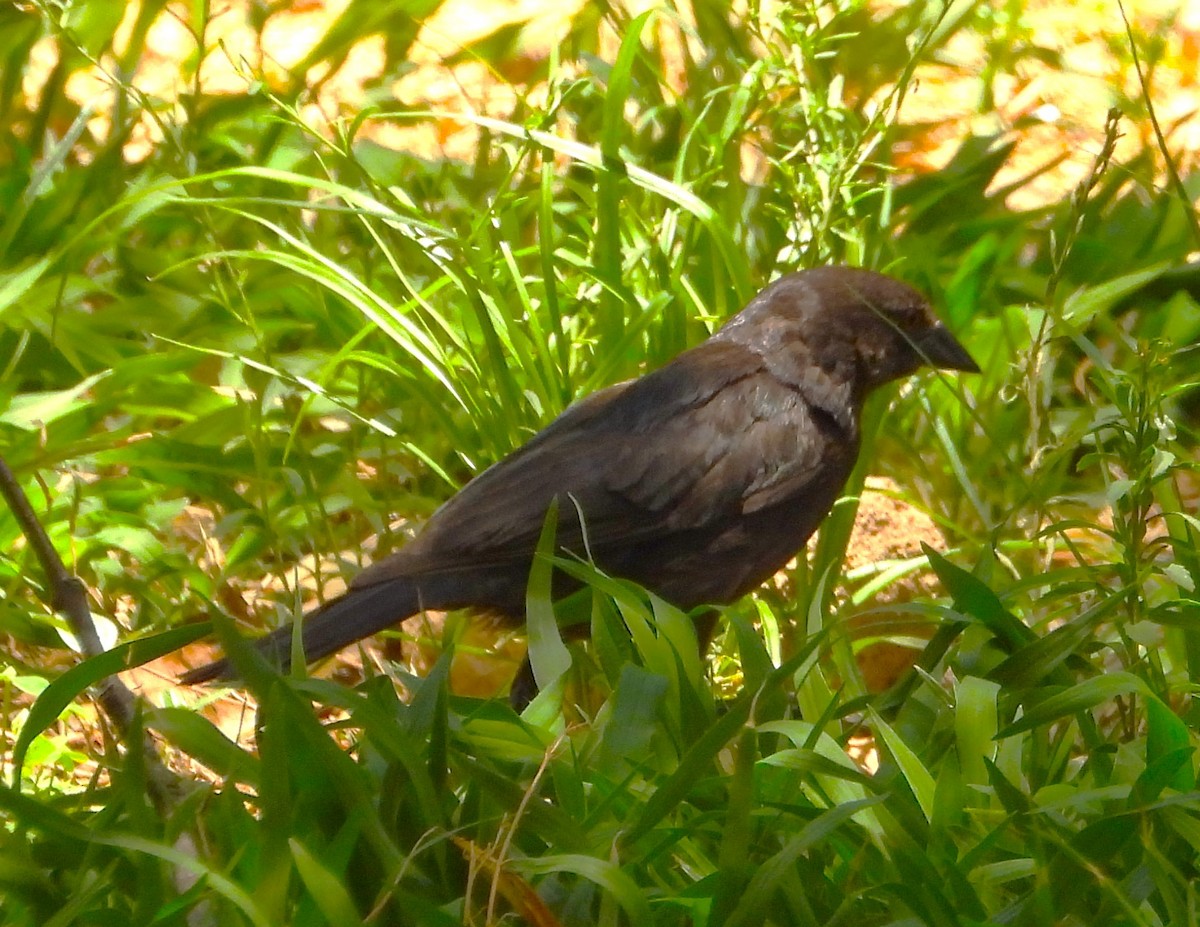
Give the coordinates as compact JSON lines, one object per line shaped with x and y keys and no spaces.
{"x":270,"y":339}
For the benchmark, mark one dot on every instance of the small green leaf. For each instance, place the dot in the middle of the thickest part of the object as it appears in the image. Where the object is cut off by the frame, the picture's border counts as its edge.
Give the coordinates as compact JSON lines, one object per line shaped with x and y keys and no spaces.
{"x":972,"y":597}
{"x":1168,"y":736}
{"x":200,"y":738}
{"x":635,"y":709}
{"x":912,"y":769}
{"x":1085,"y":304}
{"x":16,"y":284}
{"x":610,"y":877}
{"x":548,"y":655}
{"x":1082,"y":697}
{"x":975,"y":725}
{"x":326,"y":888}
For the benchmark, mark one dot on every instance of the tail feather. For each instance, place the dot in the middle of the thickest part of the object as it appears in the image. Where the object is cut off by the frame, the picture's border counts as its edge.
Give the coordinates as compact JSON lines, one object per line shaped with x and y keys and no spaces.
{"x":357,"y":614}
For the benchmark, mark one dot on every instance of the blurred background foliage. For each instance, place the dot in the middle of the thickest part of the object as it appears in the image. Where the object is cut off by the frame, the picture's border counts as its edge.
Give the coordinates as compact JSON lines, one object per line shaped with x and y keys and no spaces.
{"x":275,"y":279}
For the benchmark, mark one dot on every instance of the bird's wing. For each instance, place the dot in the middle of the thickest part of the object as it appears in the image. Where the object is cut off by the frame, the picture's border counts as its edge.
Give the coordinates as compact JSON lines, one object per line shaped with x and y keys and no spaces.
{"x":753,"y":444}
{"x":708,"y":437}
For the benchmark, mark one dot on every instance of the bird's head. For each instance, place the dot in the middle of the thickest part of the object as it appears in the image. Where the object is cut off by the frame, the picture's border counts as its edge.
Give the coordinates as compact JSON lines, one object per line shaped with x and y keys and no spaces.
{"x":842,"y":330}
{"x":891,"y":326}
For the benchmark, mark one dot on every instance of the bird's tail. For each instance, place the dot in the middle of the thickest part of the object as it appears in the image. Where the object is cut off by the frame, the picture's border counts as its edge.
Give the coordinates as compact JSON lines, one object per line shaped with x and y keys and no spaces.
{"x":357,"y":614}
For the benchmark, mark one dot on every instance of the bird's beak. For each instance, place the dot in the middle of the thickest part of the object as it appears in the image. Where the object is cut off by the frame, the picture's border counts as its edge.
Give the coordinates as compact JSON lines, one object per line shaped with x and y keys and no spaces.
{"x":939,"y":348}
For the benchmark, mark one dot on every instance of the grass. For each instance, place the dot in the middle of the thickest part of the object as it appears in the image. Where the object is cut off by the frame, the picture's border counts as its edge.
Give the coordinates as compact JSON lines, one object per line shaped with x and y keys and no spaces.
{"x":270,"y":339}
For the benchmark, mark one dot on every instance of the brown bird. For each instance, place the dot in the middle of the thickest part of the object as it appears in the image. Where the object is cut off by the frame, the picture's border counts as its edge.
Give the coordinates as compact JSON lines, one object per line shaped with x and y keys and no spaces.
{"x":698,"y":481}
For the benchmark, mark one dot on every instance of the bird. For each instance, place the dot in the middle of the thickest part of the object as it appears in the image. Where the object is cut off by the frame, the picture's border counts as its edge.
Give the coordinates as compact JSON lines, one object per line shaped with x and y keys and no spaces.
{"x":698,"y":480}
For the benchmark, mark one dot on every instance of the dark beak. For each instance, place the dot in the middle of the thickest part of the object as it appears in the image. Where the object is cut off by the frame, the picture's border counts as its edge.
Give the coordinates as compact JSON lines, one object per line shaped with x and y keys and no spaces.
{"x":939,"y":348}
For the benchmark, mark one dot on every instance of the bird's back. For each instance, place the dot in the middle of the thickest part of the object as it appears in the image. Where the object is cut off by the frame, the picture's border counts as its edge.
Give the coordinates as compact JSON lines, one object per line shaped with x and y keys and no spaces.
{"x":711,"y":457}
